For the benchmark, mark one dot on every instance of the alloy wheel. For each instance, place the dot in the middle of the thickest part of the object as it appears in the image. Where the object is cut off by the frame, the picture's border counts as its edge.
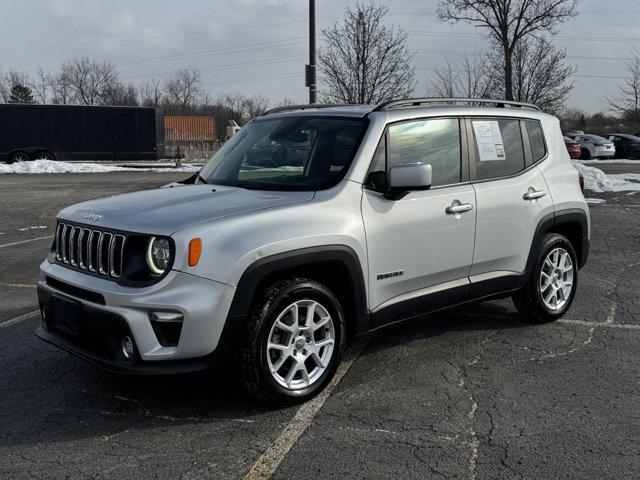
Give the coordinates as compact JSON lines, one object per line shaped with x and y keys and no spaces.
{"x":19,"y":157}
{"x":556,"y":279}
{"x":300,"y":344}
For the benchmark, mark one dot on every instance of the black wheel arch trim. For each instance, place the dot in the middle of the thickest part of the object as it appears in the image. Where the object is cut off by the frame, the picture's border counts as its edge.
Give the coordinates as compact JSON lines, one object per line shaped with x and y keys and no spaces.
{"x":294,"y":261}
{"x":570,"y":218}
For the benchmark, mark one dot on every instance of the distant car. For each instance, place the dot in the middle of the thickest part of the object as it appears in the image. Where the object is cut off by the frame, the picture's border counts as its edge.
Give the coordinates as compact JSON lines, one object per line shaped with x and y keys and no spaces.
{"x":573,"y":147}
{"x":627,"y":146}
{"x":593,"y":146}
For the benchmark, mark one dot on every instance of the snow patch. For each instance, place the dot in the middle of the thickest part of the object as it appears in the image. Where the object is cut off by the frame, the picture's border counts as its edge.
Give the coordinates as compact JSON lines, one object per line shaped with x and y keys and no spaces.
{"x":595,"y":201}
{"x":619,"y":160}
{"x":52,"y":166}
{"x":598,"y":181}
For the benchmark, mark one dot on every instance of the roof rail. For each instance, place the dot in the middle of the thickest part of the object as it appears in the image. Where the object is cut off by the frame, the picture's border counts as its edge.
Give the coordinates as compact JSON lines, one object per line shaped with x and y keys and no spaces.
{"x":417,"y":102}
{"x":291,"y":108}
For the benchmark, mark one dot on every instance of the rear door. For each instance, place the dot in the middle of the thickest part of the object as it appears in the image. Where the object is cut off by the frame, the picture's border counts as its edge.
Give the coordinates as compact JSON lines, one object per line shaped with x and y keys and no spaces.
{"x":511,"y":195}
{"x":420,"y":253}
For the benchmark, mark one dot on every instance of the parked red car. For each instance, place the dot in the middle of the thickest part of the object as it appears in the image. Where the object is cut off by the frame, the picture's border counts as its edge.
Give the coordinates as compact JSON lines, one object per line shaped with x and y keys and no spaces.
{"x":573,"y":147}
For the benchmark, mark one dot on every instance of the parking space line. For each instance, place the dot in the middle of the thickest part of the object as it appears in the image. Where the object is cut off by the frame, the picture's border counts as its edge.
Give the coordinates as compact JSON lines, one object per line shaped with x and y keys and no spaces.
{"x":13,"y":321}
{"x":624,"y":326}
{"x":17,"y":285}
{"x":271,"y":459}
{"x":25,"y":241}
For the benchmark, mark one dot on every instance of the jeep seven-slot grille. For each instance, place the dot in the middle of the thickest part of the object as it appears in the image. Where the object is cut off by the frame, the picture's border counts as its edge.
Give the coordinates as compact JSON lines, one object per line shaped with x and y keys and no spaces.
{"x":85,"y":248}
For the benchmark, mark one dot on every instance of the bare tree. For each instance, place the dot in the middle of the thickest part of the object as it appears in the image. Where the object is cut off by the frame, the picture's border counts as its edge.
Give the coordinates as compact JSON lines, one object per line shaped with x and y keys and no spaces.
{"x":41,"y":85}
{"x":254,"y":106}
{"x":11,"y":79}
{"x":508,"y":22}
{"x":150,"y":93}
{"x":365,"y":61}
{"x":540,"y":74}
{"x":120,"y":93}
{"x":471,"y":76}
{"x":61,"y":93}
{"x":183,"y":89}
{"x":626,"y":103}
{"x":89,"y":80}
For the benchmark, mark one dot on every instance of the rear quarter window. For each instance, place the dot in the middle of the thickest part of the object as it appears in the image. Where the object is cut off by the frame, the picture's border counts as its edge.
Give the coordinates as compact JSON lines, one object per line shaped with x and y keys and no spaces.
{"x":536,"y":140}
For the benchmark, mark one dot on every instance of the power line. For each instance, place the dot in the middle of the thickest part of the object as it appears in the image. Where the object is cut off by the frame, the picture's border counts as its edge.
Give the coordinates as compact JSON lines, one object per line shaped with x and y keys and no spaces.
{"x":575,"y":57}
{"x":255,"y":79}
{"x":213,"y":52}
{"x":244,"y":48}
{"x":426,"y":33}
{"x":225,"y":67}
{"x":153,"y":37}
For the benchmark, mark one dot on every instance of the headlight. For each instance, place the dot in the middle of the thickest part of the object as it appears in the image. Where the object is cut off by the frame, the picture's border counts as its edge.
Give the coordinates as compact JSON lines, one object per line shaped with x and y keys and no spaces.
{"x":158,"y":255}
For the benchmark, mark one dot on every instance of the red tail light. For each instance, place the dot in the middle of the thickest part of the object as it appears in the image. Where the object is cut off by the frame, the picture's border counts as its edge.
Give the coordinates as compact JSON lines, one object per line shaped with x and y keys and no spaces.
{"x":581,"y":180}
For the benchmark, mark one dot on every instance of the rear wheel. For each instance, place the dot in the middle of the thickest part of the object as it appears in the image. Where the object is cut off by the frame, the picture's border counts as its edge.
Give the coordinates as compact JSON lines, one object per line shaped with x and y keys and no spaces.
{"x":552,"y":285}
{"x":44,"y":155}
{"x":18,"y":157}
{"x":586,"y":155}
{"x":293,"y":342}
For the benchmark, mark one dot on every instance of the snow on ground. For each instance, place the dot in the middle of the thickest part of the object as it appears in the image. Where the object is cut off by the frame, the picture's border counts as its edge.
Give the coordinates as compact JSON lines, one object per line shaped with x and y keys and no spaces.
{"x":598,"y":181}
{"x":620,"y":160}
{"x":52,"y":166}
{"x":595,"y":201}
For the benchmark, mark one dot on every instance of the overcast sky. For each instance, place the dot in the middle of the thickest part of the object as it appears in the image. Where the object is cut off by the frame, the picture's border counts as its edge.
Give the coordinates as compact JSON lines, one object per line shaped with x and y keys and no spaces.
{"x":260,"y":45}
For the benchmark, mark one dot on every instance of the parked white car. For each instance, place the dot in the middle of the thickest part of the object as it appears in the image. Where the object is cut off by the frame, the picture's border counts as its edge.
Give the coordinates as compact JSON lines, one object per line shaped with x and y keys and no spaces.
{"x":594,"y":146}
{"x":312,"y":225}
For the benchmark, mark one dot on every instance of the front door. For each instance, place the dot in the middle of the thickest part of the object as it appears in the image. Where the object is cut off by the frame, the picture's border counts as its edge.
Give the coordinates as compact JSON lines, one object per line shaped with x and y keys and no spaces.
{"x":419,"y":247}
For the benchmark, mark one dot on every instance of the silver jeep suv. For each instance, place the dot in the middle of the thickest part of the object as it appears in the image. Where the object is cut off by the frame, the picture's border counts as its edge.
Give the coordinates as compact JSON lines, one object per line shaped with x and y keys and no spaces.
{"x":314,"y":224}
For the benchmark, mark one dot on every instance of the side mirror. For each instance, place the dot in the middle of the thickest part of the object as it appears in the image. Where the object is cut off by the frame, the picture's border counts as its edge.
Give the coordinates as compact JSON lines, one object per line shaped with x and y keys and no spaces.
{"x":406,"y":178}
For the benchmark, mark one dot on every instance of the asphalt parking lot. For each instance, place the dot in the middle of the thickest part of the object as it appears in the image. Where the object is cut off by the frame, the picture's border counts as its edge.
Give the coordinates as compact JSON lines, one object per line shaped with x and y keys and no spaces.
{"x":471,"y":393}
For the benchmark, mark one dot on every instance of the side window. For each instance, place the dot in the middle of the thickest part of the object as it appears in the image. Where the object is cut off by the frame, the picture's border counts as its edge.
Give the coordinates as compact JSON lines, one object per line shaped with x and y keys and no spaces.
{"x":434,"y":141}
{"x":536,"y":139}
{"x":499,"y":148}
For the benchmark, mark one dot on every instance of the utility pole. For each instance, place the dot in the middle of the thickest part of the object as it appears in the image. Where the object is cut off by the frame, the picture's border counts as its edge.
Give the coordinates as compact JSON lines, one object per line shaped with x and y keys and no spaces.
{"x":310,"y":72}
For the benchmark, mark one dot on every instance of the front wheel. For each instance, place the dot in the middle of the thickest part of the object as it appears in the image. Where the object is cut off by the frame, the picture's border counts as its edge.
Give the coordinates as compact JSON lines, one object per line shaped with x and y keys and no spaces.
{"x":553,"y":281}
{"x":18,"y":157}
{"x":293,"y":342}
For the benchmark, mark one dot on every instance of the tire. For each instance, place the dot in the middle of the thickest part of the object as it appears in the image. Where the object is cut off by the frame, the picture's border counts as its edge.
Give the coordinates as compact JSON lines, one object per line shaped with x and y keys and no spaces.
{"x":256,"y":359}
{"x":585,"y":155}
{"x":530,"y":301}
{"x":18,"y":157}
{"x":44,"y":155}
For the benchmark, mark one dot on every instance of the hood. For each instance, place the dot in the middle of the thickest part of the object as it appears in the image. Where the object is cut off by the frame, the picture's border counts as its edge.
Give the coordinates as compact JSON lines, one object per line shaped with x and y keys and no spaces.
{"x":163,"y":211}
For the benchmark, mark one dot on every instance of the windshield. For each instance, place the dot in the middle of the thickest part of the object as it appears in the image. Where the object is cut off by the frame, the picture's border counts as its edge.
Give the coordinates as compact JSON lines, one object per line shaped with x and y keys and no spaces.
{"x":289,"y":153}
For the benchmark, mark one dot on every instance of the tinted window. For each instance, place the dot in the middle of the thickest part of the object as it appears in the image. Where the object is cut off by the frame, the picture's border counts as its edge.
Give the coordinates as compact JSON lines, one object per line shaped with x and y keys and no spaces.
{"x":435,"y":141}
{"x":287,"y":153}
{"x":536,"y":139}
{"x":499,"y":147}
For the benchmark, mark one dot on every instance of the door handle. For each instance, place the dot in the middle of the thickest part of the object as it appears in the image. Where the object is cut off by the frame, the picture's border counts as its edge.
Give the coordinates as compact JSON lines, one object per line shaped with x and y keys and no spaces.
{"x":533,"y":194}
{"x":457,"y":207}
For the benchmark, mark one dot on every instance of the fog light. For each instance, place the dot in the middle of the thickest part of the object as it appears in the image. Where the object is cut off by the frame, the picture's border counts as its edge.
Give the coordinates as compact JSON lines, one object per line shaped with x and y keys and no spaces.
{"x":127,"y":347}
{"x":166,"y":316}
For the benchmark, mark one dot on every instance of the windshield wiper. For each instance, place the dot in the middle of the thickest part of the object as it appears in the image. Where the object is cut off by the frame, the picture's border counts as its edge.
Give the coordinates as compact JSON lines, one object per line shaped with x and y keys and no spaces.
{"x":201,"y":179}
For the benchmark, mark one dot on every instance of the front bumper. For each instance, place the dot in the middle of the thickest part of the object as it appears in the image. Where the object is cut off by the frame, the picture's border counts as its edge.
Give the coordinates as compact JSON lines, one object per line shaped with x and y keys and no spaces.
{"x":110,"y":311}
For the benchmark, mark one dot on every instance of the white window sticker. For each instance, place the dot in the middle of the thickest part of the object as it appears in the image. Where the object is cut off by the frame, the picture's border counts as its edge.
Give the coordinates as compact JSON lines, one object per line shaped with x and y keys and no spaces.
{"x":489,"y":140}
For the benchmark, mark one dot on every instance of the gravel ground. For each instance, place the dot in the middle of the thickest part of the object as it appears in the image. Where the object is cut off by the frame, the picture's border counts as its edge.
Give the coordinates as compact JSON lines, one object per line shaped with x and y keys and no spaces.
{"x":472,"y":393}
